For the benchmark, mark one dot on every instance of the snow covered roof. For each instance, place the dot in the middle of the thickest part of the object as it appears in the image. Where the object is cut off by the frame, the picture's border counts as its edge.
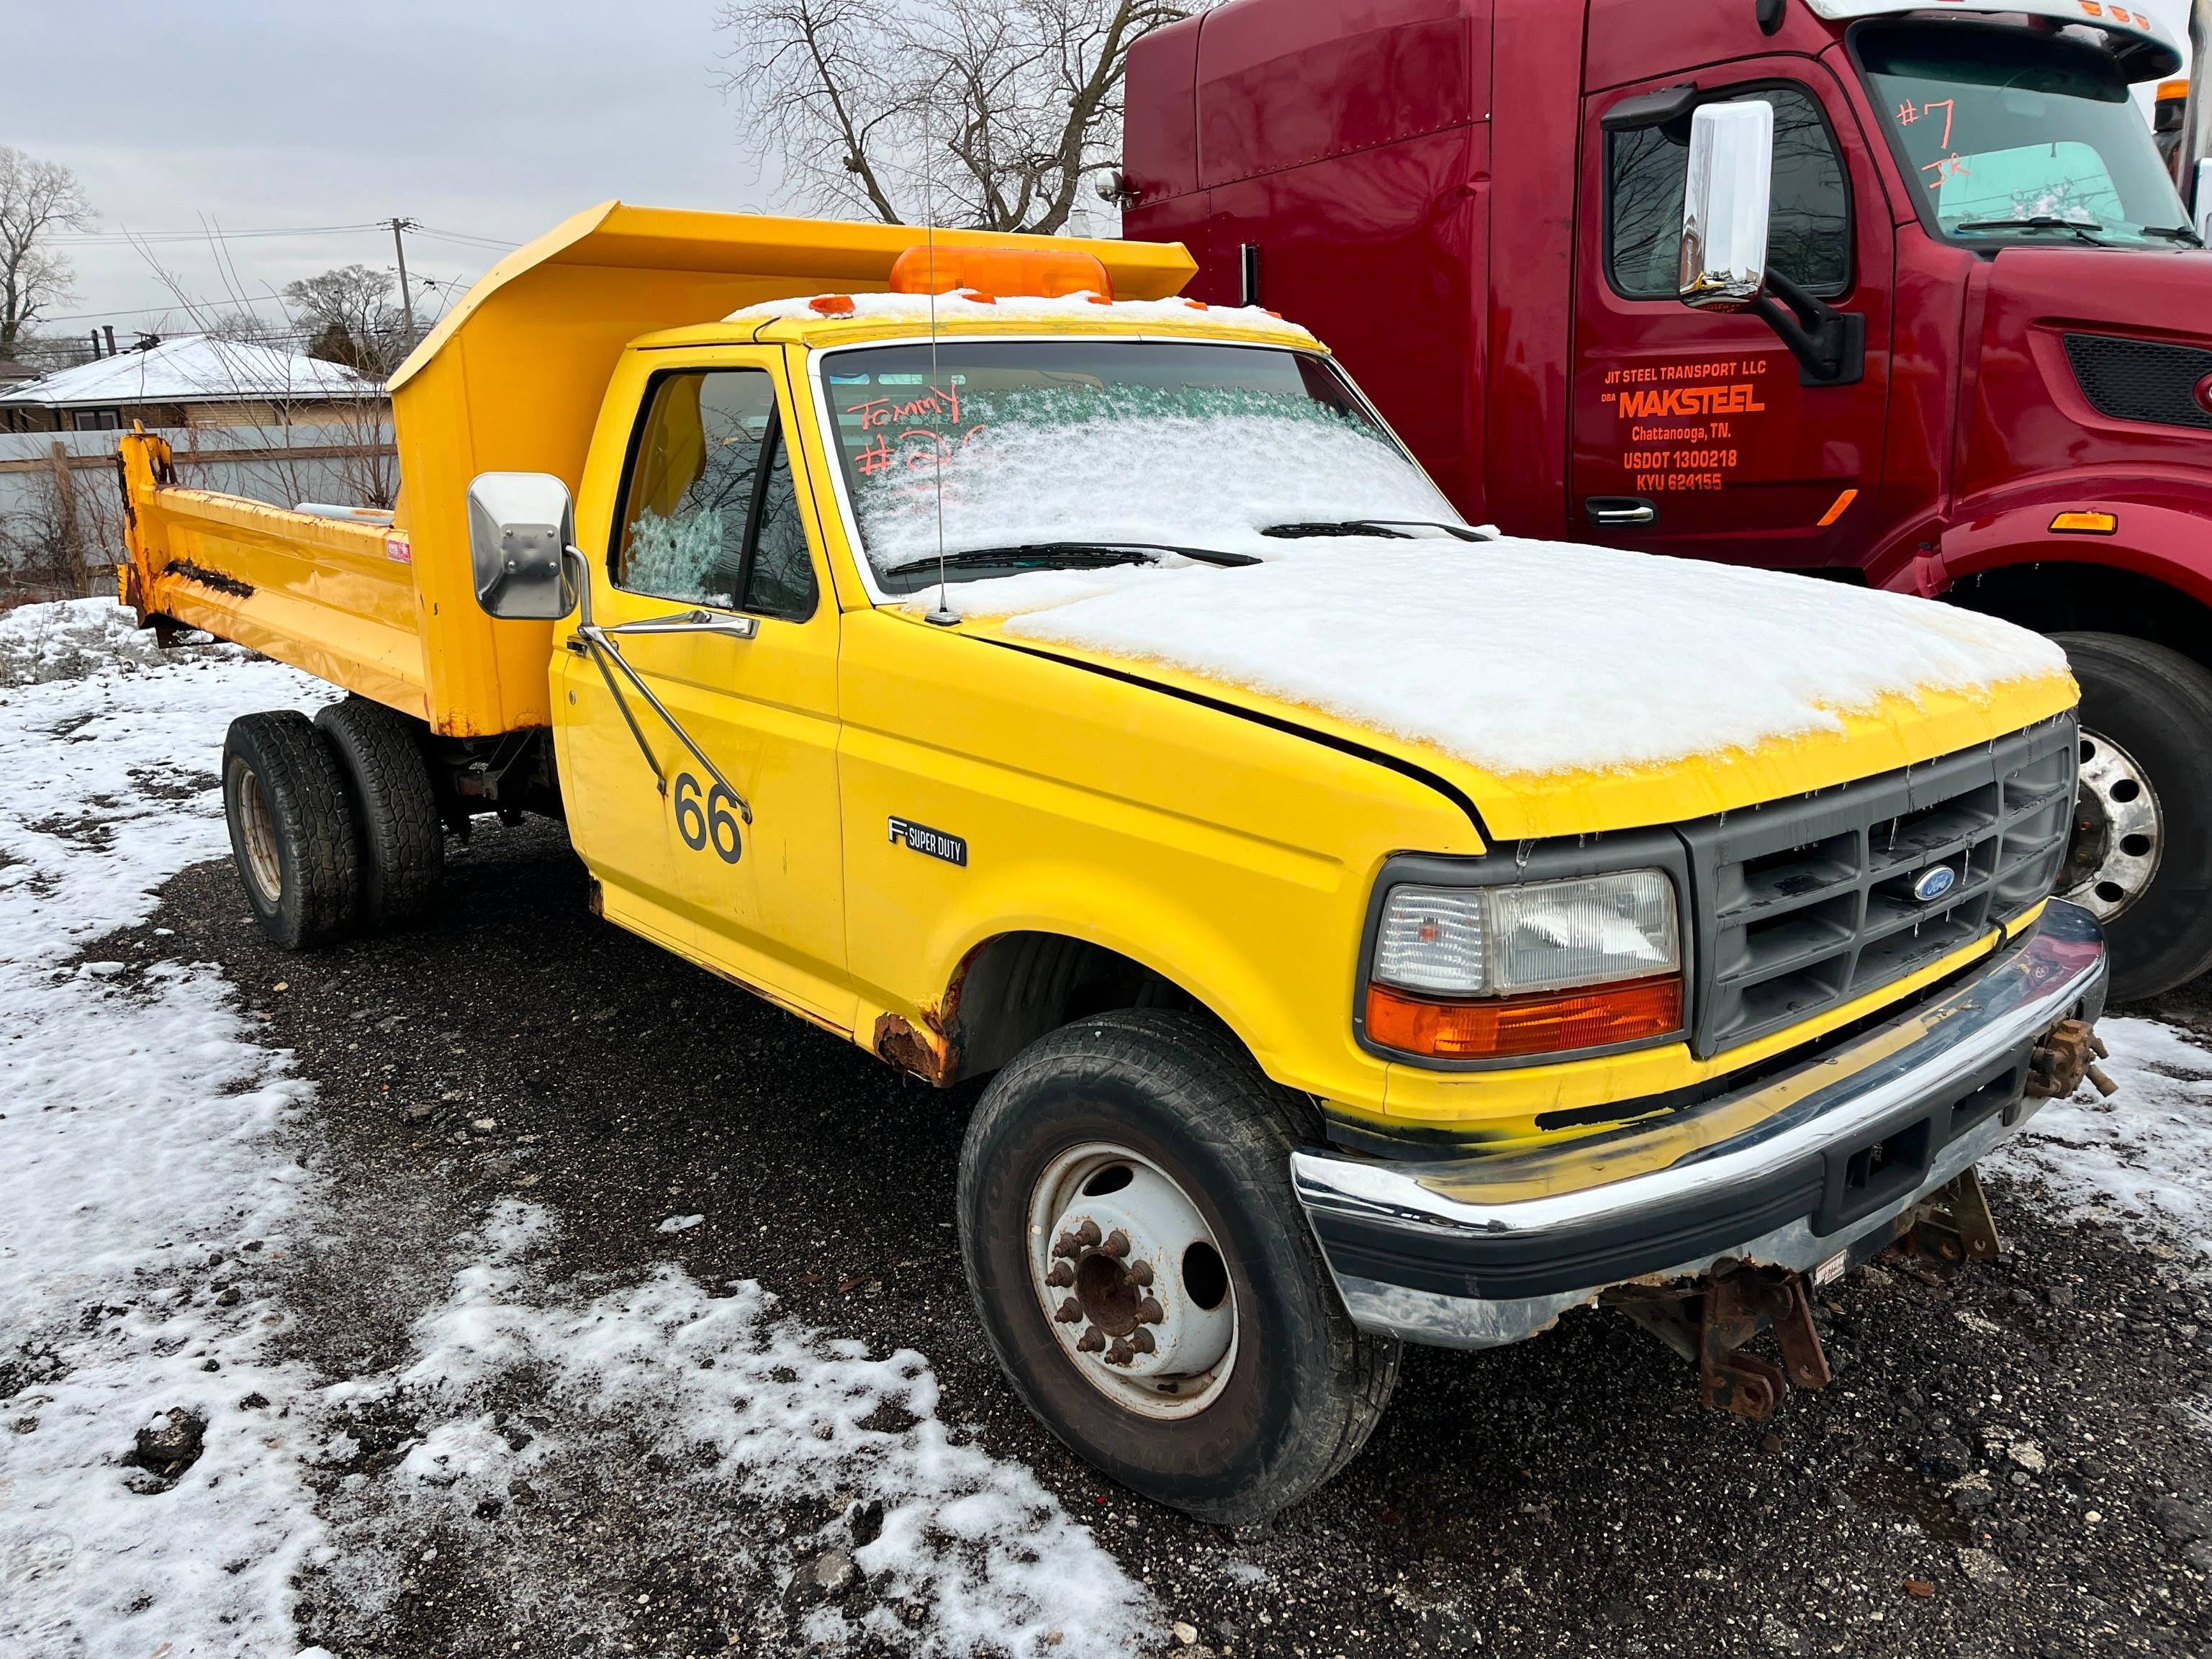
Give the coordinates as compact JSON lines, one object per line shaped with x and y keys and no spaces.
{"x":958,"y":310}
{"x":191,"y":369}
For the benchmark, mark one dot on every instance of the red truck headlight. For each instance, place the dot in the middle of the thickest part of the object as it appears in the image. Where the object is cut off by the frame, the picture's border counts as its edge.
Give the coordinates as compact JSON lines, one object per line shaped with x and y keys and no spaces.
{"x":1532,"y":968}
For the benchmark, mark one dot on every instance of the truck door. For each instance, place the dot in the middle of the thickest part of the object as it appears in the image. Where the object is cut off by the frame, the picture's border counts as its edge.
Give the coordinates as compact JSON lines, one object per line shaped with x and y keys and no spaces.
{"x":710,"y":589}
{"x":1691,"y":431}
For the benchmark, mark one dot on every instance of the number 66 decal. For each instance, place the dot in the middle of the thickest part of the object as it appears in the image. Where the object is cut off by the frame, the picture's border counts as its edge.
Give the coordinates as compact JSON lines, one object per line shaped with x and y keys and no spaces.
{"x":717,"y":822}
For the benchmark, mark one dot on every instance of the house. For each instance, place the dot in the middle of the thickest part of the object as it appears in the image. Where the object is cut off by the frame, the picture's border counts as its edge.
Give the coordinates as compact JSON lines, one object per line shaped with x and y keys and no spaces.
{"x":192,"y":381}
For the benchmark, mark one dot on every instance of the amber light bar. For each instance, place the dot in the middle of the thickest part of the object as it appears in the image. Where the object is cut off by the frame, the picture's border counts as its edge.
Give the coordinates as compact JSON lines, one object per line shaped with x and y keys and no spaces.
{"x":1496,"y":1028}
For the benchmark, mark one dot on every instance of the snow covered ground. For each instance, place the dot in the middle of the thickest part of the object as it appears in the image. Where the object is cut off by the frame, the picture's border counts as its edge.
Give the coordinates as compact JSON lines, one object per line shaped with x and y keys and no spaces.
{"x":157,"y":1167}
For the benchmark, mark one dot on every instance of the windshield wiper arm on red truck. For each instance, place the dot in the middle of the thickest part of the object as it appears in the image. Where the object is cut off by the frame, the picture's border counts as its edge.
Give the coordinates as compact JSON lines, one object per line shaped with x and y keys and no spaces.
{"x":2175,"y":234}
{"x":2083,"y":229}
{"x":1068,"y":555}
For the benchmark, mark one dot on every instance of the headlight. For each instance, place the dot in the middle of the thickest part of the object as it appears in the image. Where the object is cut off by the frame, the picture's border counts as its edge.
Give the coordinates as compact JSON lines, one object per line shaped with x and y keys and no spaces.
{"x":1477,"y":972}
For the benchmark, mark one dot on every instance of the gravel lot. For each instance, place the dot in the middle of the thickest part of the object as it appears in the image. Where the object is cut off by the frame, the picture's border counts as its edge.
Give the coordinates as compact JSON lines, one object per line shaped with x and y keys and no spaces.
{"x":2016,"y":1462}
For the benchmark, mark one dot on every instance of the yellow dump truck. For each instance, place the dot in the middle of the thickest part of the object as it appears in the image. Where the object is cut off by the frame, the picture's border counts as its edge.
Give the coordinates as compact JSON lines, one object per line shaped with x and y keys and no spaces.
{"x":1370,"y":929}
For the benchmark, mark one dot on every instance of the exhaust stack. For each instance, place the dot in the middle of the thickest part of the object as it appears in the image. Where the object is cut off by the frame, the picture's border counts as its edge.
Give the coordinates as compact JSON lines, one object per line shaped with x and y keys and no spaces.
{"x":2197,"y":120}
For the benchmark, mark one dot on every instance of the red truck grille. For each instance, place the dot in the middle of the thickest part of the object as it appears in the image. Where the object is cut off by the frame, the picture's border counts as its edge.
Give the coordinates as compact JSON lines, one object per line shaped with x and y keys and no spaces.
{"x":1805,"y":905}
{"x":2142,"y":379}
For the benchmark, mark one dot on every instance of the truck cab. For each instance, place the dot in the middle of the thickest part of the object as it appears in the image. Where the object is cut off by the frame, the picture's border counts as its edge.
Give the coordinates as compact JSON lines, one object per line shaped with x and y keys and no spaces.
{"x":1977,"y":363}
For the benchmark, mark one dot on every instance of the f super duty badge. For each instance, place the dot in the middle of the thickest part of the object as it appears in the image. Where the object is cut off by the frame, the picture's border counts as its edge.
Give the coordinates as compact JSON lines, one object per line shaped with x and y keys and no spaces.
{"x":921,"y":838}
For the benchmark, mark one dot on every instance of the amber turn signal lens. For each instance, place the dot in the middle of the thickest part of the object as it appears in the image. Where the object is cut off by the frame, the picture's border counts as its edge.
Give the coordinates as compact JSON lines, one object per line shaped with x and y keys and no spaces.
{"x":1496,"y":1028}
{"x":2086,"y":523}
{"x":832,"y":305}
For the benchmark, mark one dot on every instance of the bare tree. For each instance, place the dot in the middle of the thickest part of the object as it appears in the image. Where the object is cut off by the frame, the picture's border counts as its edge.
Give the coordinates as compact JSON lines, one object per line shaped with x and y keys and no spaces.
{"x":348,"y":316}
{"x":986,"y":113}
{"x":38,"y":201}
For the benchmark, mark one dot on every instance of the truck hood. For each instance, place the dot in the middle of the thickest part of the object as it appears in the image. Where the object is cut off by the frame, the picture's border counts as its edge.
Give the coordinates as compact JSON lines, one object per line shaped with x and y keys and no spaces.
{"x":1564,"y":689}
{"x":2088,"y":360}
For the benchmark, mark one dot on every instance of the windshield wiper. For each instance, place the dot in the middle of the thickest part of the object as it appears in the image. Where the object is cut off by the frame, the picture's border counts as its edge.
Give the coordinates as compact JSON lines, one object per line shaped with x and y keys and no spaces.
{"x":1384,"y":529}
{"x":2175,"y":234}
{"x":1069,"y":556}
{"x":2081,"y":228}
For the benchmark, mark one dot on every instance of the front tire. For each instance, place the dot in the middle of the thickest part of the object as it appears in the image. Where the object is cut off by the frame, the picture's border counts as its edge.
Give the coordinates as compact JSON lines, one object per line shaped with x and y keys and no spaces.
{"x":2142,"y":857}
{"x":291,"y":829}
{"x":1226,"y":1380}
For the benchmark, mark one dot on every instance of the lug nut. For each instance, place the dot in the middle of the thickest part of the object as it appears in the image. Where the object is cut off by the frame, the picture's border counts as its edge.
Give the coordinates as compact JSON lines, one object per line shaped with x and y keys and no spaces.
{"x":1091,"y":1341}
{"x":1141,"y":1340}
{"x":1119,"y":1353}
{"x":1141,"y":1272}
{"x":1149,"y":1311}
{"x":1065,"y":1245}
{"x":1117,"y":1244}
{"x":1087,"y":1234}
{"x":1069,"y":1311}
{"x":1060,"y":1277}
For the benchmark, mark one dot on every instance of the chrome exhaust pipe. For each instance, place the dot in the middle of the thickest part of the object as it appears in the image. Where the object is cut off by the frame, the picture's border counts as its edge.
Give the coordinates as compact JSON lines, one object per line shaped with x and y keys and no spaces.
{"x":2197,"y":120}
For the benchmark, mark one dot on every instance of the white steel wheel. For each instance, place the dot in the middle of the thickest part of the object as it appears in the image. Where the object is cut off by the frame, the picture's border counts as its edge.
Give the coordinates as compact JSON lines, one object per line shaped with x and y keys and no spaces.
{"x":1133,"y":1281}
{"x":2118,"y":831}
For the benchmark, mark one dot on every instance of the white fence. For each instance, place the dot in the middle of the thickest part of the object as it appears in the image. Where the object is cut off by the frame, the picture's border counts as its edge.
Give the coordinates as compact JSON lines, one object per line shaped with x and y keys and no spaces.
{"x":61,"y":499}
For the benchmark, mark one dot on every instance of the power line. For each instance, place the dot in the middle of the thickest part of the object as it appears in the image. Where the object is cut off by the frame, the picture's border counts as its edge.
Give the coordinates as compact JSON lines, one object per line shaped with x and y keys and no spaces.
{"x":212,"y":233}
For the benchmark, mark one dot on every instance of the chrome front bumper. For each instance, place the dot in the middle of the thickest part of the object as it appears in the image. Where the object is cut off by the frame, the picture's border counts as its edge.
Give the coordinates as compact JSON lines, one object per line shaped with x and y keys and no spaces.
{"x":1475,"y":1251}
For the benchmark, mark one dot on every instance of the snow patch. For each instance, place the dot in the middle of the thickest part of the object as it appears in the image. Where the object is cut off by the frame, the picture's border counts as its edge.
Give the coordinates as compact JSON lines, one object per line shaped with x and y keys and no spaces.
{"x":137,"y":1156}
{"x":952,"y":310}
{"x":2144,"y":1157}
{"x":959,"y":1551}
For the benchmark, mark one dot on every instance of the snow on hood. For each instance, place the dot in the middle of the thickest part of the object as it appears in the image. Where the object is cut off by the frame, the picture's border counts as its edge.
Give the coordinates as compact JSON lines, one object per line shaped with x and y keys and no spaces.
{"x":1527,"y":657}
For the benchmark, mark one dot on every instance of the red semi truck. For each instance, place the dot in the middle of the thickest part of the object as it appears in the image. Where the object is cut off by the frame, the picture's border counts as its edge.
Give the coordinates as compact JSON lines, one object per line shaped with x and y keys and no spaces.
{"x":1970,"y":356}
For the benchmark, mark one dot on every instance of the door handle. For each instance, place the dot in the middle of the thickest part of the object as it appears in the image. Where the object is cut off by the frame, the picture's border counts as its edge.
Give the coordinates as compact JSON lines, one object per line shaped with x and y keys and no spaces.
{"x":691,"y":621}
{"x":1619,"y":512}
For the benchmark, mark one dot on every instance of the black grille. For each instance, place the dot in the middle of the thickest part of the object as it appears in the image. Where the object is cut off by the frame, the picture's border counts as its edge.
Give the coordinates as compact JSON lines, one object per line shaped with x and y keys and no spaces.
{"x":1804,"y":905}
{"x":2141,"y":379}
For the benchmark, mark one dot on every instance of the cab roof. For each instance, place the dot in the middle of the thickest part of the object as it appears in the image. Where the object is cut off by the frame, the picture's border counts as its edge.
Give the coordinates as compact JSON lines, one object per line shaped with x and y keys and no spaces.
{"x":845,"y":319}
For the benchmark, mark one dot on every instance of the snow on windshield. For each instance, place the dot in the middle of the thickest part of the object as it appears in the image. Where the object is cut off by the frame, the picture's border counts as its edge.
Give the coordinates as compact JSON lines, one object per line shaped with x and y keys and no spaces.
{"x":1009,"y":444}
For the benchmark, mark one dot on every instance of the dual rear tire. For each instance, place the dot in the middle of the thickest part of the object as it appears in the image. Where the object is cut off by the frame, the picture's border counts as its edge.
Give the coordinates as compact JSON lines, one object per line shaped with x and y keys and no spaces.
{"x":334,"y":824}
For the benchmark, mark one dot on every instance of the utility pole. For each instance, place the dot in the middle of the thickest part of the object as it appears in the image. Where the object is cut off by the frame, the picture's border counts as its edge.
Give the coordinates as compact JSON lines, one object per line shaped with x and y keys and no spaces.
{"x":406,"y":298}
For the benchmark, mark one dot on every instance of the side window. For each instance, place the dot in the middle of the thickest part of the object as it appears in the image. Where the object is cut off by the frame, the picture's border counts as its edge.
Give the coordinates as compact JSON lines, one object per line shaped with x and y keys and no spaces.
{"x":709,"y":514}
{"x":1808,"y":234}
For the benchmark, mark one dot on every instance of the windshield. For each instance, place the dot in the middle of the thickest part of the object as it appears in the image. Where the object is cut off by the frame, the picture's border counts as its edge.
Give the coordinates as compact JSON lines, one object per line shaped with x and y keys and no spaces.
{"x":2018,"y":138}
{"x":1081,"y":447}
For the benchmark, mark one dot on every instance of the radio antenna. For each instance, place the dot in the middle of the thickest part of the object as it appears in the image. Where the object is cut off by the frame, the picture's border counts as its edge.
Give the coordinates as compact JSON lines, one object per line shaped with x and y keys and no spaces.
{"x":943,"y":616}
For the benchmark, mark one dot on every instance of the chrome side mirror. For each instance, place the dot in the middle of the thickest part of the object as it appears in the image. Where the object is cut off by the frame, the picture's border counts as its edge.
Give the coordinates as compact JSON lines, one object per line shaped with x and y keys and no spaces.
{"x":1725,"y":201}
{"x":521,"y":527}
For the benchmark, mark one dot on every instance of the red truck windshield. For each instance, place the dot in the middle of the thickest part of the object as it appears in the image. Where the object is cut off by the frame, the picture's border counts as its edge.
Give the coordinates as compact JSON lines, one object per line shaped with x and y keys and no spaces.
{"x":2020,"y":137}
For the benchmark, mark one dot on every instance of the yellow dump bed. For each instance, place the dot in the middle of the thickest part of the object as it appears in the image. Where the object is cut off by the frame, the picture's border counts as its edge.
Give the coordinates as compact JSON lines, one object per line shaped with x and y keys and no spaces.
{"x":510,"y":381}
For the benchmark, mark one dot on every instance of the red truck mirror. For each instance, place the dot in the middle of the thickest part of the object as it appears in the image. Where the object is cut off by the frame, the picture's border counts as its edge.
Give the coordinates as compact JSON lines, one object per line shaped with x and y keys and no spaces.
{"x":521,"y":526}
{"x":1725,"y":202}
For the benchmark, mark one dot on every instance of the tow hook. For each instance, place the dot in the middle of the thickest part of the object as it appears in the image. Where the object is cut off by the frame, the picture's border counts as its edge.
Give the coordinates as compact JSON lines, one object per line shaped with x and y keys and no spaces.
{"x":1740,"y":1302}
{"x":1709,"y":1320}
{"x":2066,"y":1053}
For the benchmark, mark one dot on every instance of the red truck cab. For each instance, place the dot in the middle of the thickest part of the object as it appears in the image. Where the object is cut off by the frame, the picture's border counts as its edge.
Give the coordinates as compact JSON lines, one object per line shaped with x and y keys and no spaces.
{"x":2000,"y":387}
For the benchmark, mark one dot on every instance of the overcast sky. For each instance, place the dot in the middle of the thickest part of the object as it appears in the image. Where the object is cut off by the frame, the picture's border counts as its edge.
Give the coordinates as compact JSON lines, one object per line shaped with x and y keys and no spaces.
{"x":480,"y":120}
{"x":493,"y":121}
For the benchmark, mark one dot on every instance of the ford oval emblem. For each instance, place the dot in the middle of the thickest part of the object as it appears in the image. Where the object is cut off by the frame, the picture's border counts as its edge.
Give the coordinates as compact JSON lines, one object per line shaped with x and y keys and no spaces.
{"x":1931,"y":884}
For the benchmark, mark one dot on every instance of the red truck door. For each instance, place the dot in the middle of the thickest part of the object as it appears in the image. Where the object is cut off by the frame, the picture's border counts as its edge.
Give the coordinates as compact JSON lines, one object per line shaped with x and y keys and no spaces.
{"x":1691,"y":433}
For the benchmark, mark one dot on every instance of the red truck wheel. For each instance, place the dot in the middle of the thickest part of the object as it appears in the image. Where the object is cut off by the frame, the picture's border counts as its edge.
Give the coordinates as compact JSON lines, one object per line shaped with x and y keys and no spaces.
{"x":395,"y":807}
{"x":291,"y":829}
{"x":1140,"y":1268}
{"x":2141,"y":856}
